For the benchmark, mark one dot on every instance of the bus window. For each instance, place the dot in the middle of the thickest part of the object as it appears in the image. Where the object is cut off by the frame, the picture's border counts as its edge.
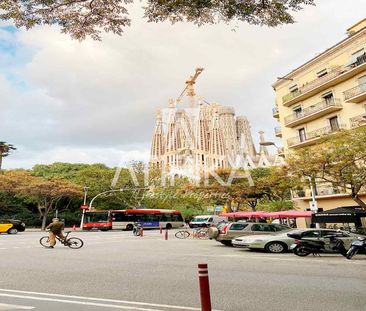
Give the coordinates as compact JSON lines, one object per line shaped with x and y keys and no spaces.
{"x":96,"y":217}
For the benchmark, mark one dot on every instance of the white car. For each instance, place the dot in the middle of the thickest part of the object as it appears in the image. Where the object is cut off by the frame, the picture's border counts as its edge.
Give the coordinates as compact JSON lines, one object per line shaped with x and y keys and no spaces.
{"x":280,"y":242}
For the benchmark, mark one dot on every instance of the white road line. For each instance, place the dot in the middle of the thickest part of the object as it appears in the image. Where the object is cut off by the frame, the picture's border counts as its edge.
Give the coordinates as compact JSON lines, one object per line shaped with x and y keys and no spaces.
{"x":12,"y":307}
{"x":79,"y":302}
{"x":94,"y":299}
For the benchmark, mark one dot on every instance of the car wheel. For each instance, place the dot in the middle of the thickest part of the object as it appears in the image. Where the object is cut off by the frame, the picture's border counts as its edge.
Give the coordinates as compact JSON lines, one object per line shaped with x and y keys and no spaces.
{"x":275,"y":247}
{"x":12,"y":231}
{"x":226,"y":243}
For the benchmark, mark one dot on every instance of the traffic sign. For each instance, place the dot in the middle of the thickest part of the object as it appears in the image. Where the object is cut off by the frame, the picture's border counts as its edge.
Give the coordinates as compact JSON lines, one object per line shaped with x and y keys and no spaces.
{"x":84,"y":207}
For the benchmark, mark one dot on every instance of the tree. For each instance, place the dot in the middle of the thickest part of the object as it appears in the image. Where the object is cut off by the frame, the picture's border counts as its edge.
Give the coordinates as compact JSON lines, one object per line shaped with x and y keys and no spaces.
{"x":339,"y":159}
{"x":82,"y":18}
{"x":47,"y":193}
{"x":5,"y":150}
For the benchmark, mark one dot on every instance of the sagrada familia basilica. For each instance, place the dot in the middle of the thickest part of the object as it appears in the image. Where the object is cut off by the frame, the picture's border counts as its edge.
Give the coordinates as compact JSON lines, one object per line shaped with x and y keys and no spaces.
{"x":204,"y":137}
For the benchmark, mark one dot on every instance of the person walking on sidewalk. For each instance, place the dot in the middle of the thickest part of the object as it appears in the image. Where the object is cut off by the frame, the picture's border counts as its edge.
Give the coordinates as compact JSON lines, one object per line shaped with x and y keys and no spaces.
{"x":56,"y":227}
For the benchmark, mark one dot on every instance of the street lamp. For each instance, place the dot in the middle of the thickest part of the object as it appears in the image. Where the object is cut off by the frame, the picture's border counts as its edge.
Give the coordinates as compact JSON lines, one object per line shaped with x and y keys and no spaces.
{"x":313,"y":203}
{"x":84,"y":204}
{"x":271,"y":143}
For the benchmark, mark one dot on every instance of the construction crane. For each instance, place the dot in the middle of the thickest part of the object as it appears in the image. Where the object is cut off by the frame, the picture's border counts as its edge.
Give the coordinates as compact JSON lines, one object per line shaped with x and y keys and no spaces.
{"x":189,"y":89}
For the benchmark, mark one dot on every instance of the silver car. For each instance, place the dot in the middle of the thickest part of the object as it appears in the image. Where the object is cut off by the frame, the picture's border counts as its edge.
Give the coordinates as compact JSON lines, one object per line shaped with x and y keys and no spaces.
{"x":280,"y":242}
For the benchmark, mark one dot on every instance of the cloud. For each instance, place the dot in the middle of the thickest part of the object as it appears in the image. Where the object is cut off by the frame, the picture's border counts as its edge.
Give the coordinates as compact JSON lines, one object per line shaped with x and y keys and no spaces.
{"x":62,"y":100}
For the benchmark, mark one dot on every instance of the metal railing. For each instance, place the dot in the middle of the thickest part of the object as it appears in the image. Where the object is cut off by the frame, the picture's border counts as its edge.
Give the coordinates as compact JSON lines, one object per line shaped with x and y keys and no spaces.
{"x":358,"y":120}
{"x":335,"y":102}
{"x":278,"y":130}
{"x":336,"y":71}
{"x":314,"y":134}
{"x":355,"y":91}
{"x":275,"y":111}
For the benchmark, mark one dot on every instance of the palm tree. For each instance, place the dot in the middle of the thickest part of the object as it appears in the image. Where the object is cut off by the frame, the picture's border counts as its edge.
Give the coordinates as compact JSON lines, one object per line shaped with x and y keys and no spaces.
{"x":5,"y":150}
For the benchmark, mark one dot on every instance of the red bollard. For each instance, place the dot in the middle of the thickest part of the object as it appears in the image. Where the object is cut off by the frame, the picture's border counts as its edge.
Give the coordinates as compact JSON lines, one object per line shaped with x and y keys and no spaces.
{"x":141,"y":232}
{"x":161,"y":229}
{"x":204,"y":287}
{"x":166,"y":234}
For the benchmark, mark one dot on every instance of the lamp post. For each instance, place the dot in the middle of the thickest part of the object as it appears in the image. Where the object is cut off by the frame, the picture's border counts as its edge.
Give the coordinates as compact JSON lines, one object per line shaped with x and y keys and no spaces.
{"x":84,"y":204}
{"x":313,"y":203}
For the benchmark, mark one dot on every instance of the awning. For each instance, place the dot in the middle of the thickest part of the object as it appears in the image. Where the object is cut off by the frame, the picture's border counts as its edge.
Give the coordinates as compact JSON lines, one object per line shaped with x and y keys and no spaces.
{"x":284,"y":214}
{"x":243,"y":214}
{"x":345,"y":214}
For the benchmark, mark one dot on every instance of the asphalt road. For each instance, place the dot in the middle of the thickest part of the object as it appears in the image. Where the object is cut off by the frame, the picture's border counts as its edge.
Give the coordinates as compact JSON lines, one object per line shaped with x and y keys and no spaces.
{"x":115,"y":270}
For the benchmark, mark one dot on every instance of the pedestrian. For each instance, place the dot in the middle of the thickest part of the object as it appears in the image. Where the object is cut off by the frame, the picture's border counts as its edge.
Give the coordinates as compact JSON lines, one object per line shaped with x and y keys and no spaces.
{"x":56,"y":227}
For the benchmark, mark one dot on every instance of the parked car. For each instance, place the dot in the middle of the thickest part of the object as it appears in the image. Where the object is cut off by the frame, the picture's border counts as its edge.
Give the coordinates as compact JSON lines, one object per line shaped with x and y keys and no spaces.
{"x":281,"y":242}
{"x":11,"y":226}
{"x":206,"y":221}
{"x":225,"y":234}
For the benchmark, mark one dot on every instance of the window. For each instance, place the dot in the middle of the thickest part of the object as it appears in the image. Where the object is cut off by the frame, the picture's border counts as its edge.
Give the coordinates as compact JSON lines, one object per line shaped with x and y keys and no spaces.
{"x":297,"y":110}
{"x":302,"y":134}
{"x":328,"y":97}
{"x":238,"y":226}
{"x":322,"y":73}
{"x":263,"y":228}
{"x":293,"y":88}
{"x":279,"y":227}
{"x":334,"y":125}
{"x":355,"y":55}
{"x":311,"y":234}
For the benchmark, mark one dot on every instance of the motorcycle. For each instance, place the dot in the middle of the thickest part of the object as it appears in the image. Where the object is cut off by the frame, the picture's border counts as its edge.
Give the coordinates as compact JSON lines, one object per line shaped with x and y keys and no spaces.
{"x":303,"y":247}
{"x":356,"y":246}
{"x":137,"y":227}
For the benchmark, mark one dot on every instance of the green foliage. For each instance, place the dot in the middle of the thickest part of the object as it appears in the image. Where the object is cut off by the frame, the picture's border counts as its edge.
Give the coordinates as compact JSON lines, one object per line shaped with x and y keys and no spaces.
{"x":89,"y":17}
{"x":338,"y":159}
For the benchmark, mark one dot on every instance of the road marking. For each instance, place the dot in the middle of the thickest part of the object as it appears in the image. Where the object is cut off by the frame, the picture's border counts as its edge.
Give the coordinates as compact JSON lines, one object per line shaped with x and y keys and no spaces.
{"x":29,"y":293}
{"x":4,"y":306}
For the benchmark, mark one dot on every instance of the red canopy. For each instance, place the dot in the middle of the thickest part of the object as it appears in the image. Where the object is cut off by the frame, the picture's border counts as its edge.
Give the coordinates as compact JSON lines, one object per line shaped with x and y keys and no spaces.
{"x":244,"y":214}
{"x":283,"y":214}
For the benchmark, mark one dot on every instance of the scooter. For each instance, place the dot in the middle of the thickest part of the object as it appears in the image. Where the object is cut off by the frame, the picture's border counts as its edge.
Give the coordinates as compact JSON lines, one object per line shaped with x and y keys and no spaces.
{"x":356,"y":246}
{"x":305,"y":247}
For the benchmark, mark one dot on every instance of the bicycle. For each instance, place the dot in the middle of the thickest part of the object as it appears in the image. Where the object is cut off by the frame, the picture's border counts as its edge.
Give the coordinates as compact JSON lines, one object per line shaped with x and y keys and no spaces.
{"x":137,"y":228}
{"x":73,"y":242}
{"x":200,"y":233}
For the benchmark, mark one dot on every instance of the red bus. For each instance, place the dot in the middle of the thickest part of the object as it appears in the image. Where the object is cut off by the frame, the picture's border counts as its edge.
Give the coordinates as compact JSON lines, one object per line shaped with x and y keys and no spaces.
{"x":124,"y":219}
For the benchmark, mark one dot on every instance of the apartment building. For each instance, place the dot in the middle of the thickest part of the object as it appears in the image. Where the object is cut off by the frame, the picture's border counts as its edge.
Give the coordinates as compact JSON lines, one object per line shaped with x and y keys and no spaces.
{"x":324,"y":95}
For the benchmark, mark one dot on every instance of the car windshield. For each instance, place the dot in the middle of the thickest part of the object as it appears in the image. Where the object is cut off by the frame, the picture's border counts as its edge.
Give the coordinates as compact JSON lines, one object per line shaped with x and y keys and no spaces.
{"x":200,"y":219}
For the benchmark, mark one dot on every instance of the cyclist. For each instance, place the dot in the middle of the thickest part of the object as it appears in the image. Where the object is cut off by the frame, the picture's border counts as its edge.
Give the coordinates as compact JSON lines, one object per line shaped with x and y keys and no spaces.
{"x":56,"y":227}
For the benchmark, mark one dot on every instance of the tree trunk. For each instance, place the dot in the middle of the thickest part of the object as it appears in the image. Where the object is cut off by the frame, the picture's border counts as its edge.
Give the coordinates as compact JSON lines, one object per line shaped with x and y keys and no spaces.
{"x":44,"y":219}
{"x":357,"y":199}
{"x":1,"y":160}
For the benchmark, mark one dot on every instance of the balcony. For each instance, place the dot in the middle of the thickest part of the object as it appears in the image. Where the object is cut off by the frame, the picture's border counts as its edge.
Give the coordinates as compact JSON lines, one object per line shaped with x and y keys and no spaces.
{"x":335,"y":76}
{"x":358,"y":120}
{"x":278,"y":131}
{"x":356,"y":94}
{"x":275,"y":112}
{"x":313,"y":112}
{"x":311,"y":137}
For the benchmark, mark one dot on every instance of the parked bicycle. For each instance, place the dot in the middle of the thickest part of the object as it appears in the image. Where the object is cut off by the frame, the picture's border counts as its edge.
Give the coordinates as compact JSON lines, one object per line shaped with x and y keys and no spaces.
{"x":73,"y":242}
{"x":137,"y":228}
{"x":200,"y":233}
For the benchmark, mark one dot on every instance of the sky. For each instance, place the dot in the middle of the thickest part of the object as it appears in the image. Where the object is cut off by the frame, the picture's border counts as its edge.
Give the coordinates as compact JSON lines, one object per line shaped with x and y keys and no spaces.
{"x":94,"y":102}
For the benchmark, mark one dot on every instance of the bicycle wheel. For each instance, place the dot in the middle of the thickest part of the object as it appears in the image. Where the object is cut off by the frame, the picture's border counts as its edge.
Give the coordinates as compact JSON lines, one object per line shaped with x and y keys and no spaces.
{"x":74,"y":243}
{"x":45,"y":242}
{"x":182,"y":234}
{"x":202,"y":234}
